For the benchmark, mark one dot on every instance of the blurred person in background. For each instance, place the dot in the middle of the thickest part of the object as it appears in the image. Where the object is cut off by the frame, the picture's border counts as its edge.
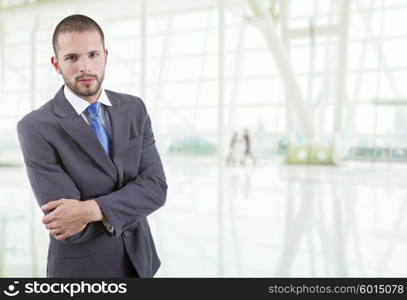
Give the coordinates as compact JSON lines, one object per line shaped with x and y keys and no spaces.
{"x":232,"y":156}
{"x":247,"y":150}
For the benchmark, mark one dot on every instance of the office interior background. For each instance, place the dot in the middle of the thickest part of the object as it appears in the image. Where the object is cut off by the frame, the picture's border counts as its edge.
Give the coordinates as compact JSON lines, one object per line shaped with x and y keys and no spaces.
{"x":281,"y":125}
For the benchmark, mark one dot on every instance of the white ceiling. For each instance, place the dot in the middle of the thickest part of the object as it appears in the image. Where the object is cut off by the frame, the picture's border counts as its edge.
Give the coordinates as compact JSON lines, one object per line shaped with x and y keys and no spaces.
{"x":52,"y":11}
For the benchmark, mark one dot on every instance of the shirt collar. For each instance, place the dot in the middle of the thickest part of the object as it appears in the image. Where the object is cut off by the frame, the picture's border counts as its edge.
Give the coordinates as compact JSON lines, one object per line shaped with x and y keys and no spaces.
{"x":79,"y":104}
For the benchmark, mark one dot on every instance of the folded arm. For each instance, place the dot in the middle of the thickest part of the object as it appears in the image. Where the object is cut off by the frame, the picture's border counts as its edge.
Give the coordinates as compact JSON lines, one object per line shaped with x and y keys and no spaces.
{"x":123,"y":208}
{"x":48,"y":179}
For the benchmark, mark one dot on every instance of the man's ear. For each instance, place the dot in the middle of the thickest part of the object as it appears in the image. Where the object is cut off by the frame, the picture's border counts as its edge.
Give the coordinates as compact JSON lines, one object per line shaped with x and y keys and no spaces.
{"x":55,"y":63}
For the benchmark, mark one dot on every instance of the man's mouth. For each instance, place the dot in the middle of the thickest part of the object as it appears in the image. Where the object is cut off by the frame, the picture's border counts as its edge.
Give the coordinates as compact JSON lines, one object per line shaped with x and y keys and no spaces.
{"x":86,"y":80}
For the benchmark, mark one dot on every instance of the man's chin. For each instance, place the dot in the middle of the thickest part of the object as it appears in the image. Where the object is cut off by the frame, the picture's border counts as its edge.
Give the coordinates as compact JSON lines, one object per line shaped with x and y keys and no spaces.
{"x":83,"y":91}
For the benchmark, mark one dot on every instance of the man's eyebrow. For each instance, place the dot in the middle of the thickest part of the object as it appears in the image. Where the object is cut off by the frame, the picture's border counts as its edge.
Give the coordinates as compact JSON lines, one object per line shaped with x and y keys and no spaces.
{"x":92,"y":51}
{"x":66,"y":55}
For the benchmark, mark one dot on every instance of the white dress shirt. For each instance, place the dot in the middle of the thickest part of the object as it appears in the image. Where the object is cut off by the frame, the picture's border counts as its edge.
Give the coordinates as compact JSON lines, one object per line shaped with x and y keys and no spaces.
{"x":80,"y":105}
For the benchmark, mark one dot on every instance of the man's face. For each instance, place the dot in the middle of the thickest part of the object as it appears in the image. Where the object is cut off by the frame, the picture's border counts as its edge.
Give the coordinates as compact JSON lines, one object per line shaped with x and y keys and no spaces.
{"x":81,"y":60}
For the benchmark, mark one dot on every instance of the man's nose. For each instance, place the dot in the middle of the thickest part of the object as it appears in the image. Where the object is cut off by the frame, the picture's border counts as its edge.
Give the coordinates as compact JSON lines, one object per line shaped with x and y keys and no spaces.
{"x":85,"y":65}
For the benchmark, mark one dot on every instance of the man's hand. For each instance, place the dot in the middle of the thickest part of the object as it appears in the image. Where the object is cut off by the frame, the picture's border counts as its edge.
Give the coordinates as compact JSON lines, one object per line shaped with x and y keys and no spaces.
{"x":70,"y":216}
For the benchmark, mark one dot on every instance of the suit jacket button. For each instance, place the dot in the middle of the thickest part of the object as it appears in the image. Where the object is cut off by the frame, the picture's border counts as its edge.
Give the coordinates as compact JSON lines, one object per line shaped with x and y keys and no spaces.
{"x":126,"y":233}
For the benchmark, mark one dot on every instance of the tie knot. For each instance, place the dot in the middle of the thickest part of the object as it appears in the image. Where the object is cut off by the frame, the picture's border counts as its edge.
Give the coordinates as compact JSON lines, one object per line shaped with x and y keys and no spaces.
{"x":93,"y":109}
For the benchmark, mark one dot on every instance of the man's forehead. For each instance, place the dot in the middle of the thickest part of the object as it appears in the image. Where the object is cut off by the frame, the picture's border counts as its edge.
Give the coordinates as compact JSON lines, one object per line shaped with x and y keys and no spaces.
{"x":80,"y":35}
{"x":79,"y":41}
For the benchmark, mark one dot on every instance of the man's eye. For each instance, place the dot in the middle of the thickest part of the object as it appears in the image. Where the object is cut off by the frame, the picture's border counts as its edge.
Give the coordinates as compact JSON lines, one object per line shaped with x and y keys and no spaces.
{"x":70,"y":57}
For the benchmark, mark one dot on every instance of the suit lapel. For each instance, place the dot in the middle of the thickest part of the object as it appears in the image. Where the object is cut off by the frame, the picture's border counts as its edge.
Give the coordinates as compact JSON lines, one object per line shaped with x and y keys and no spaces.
{"x":120,"y":123}
{"x":82,"y":133}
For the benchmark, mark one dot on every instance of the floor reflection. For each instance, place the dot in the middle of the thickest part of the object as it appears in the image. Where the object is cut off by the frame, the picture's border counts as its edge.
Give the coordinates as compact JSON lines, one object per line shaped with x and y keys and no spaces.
{"x":265,"y":221}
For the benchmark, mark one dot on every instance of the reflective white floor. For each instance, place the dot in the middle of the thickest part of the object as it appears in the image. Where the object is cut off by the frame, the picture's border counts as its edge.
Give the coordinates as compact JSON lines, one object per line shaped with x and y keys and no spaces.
{"x":264,"y":221}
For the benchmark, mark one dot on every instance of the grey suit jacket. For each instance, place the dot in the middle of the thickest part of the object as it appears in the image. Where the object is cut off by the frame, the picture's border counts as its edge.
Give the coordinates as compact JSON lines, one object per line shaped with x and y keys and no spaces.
{"x":64,"y":159}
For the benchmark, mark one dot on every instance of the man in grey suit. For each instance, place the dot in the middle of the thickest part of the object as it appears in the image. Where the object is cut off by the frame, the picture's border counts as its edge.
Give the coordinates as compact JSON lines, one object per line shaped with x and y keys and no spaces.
{"x":93,"y":166}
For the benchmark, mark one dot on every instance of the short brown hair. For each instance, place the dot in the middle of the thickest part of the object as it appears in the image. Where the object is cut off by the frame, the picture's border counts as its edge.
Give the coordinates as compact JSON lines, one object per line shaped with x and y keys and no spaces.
{"x":76,"y":23}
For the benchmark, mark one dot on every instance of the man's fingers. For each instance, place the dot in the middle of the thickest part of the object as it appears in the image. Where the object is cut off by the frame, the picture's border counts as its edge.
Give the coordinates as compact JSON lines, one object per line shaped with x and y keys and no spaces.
{"x":49,"y":218}
{"x":61,"y":236}
{"x":56,"y":232}
{"x":51,"y":225}
{"x":52,"y":205}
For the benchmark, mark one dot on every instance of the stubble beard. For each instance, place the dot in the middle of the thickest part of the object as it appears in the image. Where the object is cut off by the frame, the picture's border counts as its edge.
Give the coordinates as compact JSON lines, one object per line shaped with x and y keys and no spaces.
{"x":86,"y":90}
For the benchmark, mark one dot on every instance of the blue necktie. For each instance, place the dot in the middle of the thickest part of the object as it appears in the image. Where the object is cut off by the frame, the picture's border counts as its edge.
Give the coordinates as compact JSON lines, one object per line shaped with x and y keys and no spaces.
{"x":98,"y":127}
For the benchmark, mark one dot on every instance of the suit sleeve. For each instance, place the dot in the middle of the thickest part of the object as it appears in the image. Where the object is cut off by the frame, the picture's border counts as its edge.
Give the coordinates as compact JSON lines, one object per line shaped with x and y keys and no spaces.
{"x":142,"y":194}
{"x":49,"y":181}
